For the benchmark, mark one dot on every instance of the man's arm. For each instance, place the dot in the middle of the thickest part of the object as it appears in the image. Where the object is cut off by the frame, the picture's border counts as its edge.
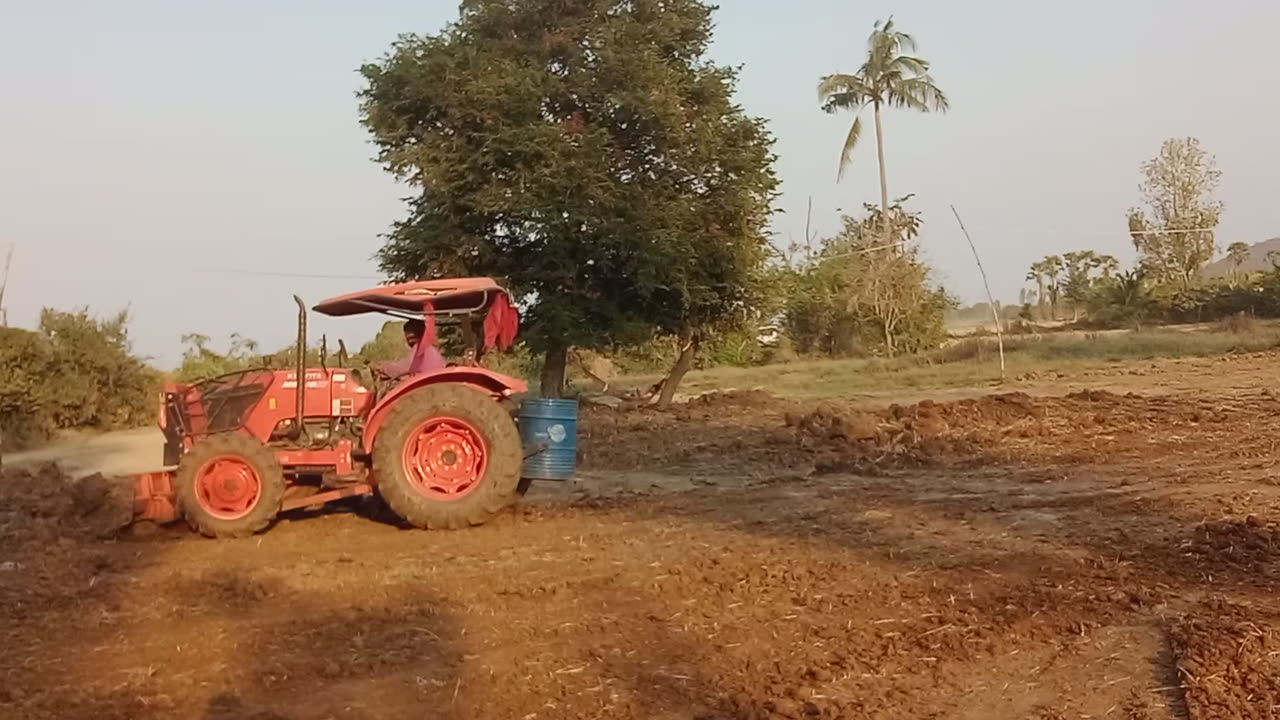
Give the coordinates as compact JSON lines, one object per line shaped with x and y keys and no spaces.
{"x":395,"y":368}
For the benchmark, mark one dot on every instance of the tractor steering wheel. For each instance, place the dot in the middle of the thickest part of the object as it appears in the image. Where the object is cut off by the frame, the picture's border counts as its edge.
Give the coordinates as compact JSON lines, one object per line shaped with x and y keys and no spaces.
{"x":371,"y":378}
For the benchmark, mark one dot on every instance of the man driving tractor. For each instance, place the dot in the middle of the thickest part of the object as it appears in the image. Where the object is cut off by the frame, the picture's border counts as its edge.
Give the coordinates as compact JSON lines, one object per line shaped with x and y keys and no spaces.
{"x":426,"y":358}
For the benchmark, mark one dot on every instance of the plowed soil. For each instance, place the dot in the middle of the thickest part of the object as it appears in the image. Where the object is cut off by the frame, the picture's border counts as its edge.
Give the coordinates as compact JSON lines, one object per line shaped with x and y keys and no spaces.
{"x":1092,"y":555}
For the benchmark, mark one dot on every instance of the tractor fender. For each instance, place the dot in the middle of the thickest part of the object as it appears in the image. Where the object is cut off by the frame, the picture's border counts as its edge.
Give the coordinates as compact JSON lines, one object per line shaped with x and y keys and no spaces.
{"x":496,"y":384}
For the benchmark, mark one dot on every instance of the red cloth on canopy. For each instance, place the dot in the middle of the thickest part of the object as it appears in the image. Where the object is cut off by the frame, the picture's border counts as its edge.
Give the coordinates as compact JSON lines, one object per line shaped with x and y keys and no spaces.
{"x":501,"y":324}
{"x":426,"y":356}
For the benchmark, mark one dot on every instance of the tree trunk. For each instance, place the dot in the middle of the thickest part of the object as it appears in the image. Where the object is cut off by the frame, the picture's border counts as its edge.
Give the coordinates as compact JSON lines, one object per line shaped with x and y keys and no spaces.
{"x":553,"y":366}
{"x":884,"y":179}
{"x":470,"y":347}
{"x":1040,"y":299}
{"x":683,"y":363}
{"x":888,"y":338}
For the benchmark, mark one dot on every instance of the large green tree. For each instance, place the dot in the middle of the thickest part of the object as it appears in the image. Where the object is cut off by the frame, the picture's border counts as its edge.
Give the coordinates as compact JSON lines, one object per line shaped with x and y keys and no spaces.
{"x":1175,"y":234}
{"x":587,"y":153}
{"x":891,"y":76}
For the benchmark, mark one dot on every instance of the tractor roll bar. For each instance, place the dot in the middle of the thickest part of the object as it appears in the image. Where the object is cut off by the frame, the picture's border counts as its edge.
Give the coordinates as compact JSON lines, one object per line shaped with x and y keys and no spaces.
{"x":300,"y":396}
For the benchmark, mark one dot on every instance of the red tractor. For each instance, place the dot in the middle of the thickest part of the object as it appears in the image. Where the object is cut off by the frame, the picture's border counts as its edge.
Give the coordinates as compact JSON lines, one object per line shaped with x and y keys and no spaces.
{"x":442,"y":448}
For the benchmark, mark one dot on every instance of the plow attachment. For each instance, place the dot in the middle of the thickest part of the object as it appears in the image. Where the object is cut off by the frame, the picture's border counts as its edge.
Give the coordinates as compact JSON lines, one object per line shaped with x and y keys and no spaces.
{"x":153,"y":498}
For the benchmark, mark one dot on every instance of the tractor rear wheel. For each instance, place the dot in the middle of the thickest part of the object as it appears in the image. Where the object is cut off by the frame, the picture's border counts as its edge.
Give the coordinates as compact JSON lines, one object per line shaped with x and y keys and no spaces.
{"x":229,"y":486}
{"x":448,"y":456}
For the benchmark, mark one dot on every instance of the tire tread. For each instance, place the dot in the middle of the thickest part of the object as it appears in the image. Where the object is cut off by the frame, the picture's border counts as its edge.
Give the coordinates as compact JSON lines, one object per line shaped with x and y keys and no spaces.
{"x":269,"y":470}
{"x":498,"y":488}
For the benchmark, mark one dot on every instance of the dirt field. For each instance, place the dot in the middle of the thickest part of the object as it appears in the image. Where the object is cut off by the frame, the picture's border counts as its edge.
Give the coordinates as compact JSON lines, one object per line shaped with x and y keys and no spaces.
{"x":1092,"y":555}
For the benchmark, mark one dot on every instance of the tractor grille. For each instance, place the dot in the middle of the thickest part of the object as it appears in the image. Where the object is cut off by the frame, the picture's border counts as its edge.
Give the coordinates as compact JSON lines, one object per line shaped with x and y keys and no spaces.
{"x":221,"y":404}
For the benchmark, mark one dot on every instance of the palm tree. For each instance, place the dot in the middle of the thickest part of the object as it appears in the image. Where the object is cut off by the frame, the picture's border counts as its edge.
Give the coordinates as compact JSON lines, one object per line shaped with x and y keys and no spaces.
{"x":1077,"y":266}
{"x":1036,"y":274}
{"x":1238,"y":253}
{"x":1129,"y":295}
{"x":1052,"y":267}
{"x":888,"y":77}
{"x":1046,"y":273}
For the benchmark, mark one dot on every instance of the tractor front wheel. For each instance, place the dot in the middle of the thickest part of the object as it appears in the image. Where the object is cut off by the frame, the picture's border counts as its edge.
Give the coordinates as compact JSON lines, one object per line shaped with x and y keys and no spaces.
{"x":229,"y":486}
{"x":448,"y":456}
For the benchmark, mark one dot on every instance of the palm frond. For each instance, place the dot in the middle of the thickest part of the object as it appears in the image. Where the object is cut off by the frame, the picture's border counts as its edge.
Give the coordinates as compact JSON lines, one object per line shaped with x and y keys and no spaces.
{"x":886,"y":37}
{"x":920,"y":94}
{"x":879,"y":27}
{"x":842,"y":92}
{"x":903,"y":43}
{"x":850,"y":142}
{"x":843,"y":101}
{"x":909,"y":65}
{"x":840,"y":83}
{"x":898,"y":99}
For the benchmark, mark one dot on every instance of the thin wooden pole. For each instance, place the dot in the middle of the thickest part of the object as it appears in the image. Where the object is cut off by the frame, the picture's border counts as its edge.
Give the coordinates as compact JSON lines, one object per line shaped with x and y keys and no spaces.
{"x":4,"y":282}
{"x":995,"y":314}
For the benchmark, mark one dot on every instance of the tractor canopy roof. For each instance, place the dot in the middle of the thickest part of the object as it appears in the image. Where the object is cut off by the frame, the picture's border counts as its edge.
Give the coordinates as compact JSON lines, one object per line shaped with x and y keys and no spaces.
{"x":446,"y":297}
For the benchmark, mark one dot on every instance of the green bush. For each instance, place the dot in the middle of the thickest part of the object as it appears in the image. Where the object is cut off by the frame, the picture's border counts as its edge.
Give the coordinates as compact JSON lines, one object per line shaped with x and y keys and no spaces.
{"x":77,"y":371}
{"x":25,"y":367}
{"x":517,"y":362}
{"x":199,"y":361}
{"x":857,"y":296}
{"x":1128,"y":301}
{"x":387,"y":345}
{"x":740,"y":348}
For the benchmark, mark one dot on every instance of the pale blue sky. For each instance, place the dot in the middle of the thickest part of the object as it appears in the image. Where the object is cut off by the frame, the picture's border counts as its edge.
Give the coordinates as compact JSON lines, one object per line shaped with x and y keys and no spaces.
{"x":153,"y":153}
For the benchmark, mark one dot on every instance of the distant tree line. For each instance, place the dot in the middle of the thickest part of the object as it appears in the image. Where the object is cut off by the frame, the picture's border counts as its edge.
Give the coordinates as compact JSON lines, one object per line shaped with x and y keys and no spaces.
{"x":1174,"y":234}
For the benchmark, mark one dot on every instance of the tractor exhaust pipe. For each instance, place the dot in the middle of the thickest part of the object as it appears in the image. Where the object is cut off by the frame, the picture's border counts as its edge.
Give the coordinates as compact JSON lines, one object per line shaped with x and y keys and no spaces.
{"x":300,"y":396}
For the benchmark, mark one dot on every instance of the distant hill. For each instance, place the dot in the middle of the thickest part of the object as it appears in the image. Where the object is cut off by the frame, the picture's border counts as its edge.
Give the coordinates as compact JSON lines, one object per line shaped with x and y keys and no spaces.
{"x":1257,"y":261}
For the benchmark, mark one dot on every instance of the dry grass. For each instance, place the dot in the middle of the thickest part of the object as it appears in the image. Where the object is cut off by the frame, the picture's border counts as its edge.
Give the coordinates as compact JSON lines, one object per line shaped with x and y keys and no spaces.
{"x":1241,"y":323}
{"x":974,"y":362}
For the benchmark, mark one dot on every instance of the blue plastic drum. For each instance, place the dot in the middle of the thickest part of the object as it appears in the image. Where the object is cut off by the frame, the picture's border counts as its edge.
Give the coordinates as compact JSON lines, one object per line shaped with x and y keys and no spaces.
{"x":549,"y":431}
